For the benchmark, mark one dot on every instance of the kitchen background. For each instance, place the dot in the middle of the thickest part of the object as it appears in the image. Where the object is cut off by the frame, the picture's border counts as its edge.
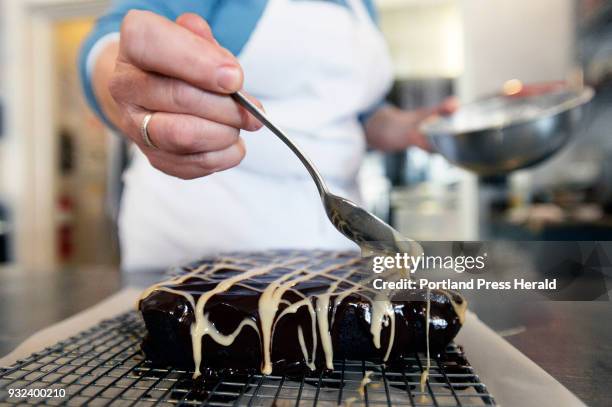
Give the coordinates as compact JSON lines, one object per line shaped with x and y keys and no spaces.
{"x":60,"y":169}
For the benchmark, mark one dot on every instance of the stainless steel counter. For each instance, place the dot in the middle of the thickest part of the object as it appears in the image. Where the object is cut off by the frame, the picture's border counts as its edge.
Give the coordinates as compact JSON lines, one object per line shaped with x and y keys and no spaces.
{"x":570,"y":340}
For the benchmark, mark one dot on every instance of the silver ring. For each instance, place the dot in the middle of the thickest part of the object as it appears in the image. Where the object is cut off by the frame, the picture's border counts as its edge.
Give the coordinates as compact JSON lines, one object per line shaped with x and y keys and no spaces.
{"x":144,"y":131}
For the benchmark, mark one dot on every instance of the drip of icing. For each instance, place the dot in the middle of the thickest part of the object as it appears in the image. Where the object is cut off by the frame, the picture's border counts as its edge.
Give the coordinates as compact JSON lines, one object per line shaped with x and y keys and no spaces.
{"x":425,"y":374}
{"x":201,"y":326}
{"x":227,"y":340}
{"x":302,"y":342}
{"x":460,"y":309}
{"x":391,"y":335}
{"x":269,"y":302}
{"x":322,"y":309}
{"x":291,"y":310}
{"x":350,"y":401}
{"x":364,"y":382}
{"x":382,"y":315}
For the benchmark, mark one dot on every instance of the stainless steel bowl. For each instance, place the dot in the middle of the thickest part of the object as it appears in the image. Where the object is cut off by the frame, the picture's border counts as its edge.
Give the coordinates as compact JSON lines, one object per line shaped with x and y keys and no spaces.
{"x":501,"y":134}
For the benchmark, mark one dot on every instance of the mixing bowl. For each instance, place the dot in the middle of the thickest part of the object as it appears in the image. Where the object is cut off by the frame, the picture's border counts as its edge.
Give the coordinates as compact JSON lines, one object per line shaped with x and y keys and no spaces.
{"x":500,"y":134}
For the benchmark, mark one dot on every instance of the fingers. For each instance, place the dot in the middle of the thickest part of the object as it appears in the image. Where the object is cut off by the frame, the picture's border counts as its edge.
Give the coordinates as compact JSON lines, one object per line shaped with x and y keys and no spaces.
{"x":158,"y":93}
{"x":223,"y":159}
{"x":188,"y":147}
{"x":197,"y":165}
{"x":415,"y":137}
{"x":154,"y":43}
{"x":418,"y":139}
{"x":196,"y":25}
{"x":448,"y":106}
{"x":184,"y":134}
{"x":179,"y":72}
{"x":515,"y":88}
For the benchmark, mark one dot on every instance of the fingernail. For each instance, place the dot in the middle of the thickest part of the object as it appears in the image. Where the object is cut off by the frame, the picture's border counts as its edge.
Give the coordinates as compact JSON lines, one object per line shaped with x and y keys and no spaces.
{"x":255,"y":125}
{"x":228,"y":78}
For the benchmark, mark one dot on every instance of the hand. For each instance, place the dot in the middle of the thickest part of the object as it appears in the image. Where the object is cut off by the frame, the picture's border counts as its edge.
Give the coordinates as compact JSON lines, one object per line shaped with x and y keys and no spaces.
{"x":415,"y":118}
{"x":178,"y":72}
{"x":393,"y":129}
{"x":517,"y":89}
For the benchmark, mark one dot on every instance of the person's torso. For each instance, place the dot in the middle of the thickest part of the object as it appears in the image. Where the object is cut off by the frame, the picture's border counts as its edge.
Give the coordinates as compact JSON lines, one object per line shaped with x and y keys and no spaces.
{"x":316,"y":65}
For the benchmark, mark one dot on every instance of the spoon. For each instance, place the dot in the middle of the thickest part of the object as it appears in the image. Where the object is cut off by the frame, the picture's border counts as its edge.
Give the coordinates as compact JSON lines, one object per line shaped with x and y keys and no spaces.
{"x":369,"y":232}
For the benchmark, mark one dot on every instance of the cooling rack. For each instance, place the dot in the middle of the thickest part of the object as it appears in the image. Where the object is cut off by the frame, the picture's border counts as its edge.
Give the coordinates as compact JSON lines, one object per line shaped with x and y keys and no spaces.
{"x":104,"y":366}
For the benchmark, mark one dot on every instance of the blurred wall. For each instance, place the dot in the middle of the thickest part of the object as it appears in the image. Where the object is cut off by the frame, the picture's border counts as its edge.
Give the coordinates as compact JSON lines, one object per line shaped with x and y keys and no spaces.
{"x":2,"y":56}
{"x":28,"y":151}
{"x":532,"y":40}
{"x":83,"y":158}
{"x":424,"y":37}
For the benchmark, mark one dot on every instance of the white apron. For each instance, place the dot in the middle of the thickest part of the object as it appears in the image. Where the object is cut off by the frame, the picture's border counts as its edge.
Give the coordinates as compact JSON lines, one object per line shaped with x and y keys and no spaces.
{"x":315,"y":66}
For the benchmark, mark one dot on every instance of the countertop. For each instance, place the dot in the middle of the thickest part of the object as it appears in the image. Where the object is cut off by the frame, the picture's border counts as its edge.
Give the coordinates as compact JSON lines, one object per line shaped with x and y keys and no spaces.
{"x":571,"y":340}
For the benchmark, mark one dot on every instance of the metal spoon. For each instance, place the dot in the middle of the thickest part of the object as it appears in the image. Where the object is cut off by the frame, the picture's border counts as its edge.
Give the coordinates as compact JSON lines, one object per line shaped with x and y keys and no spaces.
{"x":370,"y":233}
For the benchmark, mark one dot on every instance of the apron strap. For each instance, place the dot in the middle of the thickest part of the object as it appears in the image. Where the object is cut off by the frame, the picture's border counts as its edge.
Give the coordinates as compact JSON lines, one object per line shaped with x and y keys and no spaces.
{"x":360,"y":10}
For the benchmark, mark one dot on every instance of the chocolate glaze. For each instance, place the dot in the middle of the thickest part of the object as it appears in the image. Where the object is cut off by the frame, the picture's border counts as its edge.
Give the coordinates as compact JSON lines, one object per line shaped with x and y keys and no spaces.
{"x":169,"y":316}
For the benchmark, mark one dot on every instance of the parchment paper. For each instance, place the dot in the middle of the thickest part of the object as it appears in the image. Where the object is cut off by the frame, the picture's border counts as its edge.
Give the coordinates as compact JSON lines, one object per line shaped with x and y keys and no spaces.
{"x":512,"y":378}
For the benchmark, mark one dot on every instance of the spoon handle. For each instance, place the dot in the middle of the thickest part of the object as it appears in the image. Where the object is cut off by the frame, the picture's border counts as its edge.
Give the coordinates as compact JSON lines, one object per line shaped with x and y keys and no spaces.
{"x":261,"y":116}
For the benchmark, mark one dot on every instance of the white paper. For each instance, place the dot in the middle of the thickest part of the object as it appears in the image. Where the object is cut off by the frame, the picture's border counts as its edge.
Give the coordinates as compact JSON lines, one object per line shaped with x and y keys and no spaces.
{"x":511,"y":377}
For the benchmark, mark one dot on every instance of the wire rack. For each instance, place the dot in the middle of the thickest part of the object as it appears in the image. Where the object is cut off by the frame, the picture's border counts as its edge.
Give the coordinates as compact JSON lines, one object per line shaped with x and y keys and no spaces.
{"x":104,"y":366}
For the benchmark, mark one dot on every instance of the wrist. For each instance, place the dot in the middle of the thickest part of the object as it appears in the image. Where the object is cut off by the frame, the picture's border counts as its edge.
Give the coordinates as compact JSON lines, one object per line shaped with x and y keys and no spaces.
{"x":97,"y":50}
{"x":102,"y":69}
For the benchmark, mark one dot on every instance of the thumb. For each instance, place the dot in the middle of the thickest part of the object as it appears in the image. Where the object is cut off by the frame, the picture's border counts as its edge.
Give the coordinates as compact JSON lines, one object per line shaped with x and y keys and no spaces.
{"x":196,"y":25}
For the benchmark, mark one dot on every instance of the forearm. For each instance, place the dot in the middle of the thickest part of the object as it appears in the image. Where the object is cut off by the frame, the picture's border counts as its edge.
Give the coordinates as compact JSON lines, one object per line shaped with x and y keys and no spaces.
{"x":100,"y":77}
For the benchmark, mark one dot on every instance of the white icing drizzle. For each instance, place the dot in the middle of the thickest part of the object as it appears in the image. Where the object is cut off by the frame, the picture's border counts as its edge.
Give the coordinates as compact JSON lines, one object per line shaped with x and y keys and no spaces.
{"x":322,"y":309}
{"x":202,"y":326}
{"x":460,"y":308}
{"x":227,"y":340}
{"x":425,"y":374}
{"x":382,"y":315}
{"x":364,"y":382}
{"x":187,"y":296}
{"x":272,"y":307}
{"x":302,"y":342}
{"x":269,"y":302}
{"x":350,"y":401}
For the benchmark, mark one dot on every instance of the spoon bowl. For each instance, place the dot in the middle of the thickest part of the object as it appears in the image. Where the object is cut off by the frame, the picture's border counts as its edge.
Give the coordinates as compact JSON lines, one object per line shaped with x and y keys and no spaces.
{"x":370,"y":233}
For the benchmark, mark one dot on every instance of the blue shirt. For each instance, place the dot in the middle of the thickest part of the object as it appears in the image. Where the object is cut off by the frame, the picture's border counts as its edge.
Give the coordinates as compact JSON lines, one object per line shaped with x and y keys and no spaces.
{"x":232,"y":22}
